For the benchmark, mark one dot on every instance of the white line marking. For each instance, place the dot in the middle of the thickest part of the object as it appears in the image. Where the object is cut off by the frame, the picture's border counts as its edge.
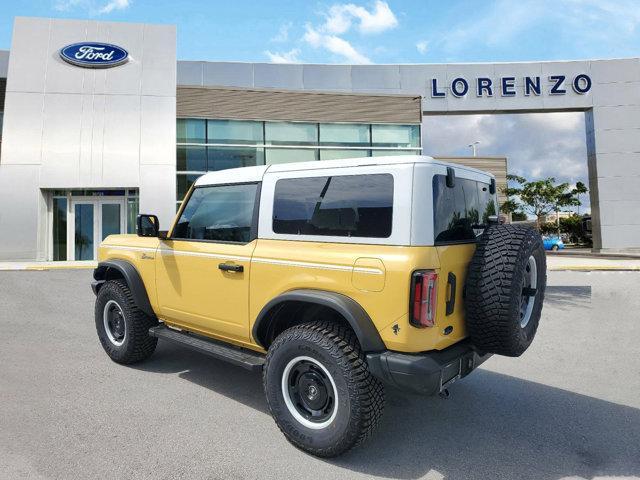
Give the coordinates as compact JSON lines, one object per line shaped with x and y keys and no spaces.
{"x":270,"y":261}
{"x":135,"y":249}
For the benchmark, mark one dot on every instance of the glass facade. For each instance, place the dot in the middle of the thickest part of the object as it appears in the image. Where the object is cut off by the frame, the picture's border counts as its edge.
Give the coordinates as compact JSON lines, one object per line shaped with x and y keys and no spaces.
{"x":209,"y":145}
{"x":133,"y":207}
{"x":110,"y":219}
{"x":234,"y":132}
{"x":345,"y":134}
{"x":59,"y":229}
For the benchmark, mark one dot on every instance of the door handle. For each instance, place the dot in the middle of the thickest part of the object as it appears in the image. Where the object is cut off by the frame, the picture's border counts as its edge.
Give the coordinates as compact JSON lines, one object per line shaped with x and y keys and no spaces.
{"x":451,"y":301}
{"x":229,"y":267}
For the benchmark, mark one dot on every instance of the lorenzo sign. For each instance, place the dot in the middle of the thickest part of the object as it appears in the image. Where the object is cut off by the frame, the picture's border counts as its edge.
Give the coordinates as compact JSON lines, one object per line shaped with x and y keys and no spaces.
{"x":94,"y":55}
{"x":506,"y":86}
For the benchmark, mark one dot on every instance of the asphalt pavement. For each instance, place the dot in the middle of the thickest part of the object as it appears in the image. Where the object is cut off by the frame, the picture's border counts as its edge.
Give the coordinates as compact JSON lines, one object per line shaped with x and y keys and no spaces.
{"x":568,"y":408}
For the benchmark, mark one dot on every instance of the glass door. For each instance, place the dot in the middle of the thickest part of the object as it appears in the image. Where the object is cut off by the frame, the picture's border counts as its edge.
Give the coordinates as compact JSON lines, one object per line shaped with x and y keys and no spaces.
{"x":94,"y":219}
{"x":84,"y":230}
{"x":111,"y":218}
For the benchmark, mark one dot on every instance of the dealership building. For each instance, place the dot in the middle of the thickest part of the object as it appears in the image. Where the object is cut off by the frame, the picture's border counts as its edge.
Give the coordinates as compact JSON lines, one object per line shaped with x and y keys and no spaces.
{"x":100,"y":121}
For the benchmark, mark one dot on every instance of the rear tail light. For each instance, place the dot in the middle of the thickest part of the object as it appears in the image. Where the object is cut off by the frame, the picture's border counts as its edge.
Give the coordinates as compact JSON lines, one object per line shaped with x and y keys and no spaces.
{"x":424,"y":288}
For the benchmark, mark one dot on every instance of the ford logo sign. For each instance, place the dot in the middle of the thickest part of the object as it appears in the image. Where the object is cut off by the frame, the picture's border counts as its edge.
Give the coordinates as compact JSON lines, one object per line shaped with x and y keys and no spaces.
{"x":94,"y":55}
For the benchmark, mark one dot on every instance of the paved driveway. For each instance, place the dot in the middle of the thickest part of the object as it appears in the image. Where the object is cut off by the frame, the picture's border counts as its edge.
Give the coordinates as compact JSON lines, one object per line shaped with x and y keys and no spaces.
{"x":569,"y":407}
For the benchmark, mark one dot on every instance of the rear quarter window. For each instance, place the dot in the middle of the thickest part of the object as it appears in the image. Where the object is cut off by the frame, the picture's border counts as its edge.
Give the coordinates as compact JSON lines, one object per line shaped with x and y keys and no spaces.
{"x":339,"y":205}
{"x":460,"y":213}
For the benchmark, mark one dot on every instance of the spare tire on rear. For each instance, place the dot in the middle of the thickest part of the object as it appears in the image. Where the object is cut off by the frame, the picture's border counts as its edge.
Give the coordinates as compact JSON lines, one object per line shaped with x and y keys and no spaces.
{"x":505,"y":289}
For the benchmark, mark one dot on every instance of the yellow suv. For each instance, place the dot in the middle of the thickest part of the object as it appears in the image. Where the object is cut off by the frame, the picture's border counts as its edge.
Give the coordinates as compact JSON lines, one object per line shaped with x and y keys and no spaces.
{"x":334,"y":278}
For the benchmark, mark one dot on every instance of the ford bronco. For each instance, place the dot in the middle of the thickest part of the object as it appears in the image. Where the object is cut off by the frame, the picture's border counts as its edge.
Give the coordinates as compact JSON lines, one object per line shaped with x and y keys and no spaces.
{"x":334,"y":279}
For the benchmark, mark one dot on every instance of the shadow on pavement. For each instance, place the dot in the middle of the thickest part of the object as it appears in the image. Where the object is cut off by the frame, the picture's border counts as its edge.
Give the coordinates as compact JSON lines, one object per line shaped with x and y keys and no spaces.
{"x":567,"y":297}
{"x":493,"y":426}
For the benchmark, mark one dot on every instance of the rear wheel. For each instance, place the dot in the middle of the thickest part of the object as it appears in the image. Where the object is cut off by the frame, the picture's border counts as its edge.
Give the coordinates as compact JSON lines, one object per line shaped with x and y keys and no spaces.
{"x":319,"y":389}
{"x":555,"y":248}
{"x":123,"y":329}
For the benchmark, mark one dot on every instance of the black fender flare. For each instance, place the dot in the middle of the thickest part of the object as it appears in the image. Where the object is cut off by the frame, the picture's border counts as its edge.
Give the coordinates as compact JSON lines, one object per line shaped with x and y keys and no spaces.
{"x":130,"y":275}
{"x":352,"y":311}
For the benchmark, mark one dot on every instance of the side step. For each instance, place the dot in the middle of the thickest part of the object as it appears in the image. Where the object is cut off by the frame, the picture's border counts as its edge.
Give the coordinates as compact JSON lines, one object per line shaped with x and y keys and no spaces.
{"x":238,"y":356}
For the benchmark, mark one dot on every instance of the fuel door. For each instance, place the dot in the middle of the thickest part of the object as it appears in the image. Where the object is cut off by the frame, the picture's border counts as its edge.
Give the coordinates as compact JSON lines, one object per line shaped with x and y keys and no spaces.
{"x":368,"y":274}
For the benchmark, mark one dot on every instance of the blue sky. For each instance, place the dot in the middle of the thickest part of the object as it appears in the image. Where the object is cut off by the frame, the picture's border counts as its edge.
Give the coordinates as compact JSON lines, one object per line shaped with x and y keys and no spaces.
{"x":370,"y":31}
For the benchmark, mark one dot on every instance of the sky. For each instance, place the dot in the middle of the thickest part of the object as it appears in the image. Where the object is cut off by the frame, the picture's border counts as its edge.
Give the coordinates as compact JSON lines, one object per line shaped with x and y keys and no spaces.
{"x":399,"y":31}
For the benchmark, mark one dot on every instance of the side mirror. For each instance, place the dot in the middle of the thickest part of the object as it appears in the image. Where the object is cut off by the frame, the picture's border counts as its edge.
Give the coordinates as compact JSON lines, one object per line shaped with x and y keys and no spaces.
{"x":451,"y":177}
{"x":492,"y":186}
{"x":148,"y":225}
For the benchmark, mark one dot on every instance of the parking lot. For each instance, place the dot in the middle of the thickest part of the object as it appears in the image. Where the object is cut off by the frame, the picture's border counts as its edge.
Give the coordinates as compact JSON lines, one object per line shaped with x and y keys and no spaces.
{"x":569,"y":407}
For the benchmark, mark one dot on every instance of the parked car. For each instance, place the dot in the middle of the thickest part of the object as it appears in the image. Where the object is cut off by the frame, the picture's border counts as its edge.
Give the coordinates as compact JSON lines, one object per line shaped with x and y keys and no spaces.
{"x":552,"y":243}
{"x":334,"y":279}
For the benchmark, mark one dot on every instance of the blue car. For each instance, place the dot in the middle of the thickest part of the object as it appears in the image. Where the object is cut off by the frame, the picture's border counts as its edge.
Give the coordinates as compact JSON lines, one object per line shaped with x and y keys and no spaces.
{"x":552,"y":243}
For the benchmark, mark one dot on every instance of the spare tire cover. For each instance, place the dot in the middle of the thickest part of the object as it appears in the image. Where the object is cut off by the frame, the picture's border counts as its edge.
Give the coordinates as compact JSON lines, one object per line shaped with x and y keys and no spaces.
{"x":504,"y":289}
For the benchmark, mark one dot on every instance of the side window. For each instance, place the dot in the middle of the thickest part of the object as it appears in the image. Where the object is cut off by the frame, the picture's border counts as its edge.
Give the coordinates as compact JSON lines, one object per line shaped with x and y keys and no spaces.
{"x":341,"y":206}
{"x":461,"y":212}
{"x":221,"y":213}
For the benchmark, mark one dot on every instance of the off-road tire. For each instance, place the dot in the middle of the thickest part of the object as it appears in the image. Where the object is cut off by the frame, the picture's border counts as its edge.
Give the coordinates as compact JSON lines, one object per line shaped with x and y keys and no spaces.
{"x":493,"y":292}
{"x":138,"y":345}
{"x":360,"y":396}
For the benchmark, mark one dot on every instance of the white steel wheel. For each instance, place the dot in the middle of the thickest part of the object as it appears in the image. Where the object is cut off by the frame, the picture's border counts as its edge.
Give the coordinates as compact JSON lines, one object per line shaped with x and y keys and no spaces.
{"x":114,"y":324}
{"x":529,"y":291}
{"x":310,"y":392}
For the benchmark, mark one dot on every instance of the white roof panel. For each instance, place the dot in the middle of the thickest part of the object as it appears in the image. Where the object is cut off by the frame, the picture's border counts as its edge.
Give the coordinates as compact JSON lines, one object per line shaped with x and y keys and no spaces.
{"x":255,"y":174}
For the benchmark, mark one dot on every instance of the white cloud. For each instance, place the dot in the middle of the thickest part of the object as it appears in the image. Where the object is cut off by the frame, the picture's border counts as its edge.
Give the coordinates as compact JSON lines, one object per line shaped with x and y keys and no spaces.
{"x":574,"y":23}
{"x":536,"y":145}
{"x":114,"y":5}
{"x":283,"y":33}
{"x":340,"y":17}
{"x":329,"y":33}
{"x":284,"y":57}
{"x":65,"y":5}
{"x":422,"y":46}
{"x":91,"y":7}
{"x":334,"y":44}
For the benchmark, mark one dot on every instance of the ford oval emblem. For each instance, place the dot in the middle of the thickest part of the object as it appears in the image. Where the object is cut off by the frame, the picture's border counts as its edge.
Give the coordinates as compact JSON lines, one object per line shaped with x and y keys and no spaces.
{"x":94,"y":55}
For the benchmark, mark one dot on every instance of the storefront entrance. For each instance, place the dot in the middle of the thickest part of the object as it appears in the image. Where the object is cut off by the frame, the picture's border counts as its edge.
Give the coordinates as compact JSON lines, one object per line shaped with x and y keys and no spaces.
{"x":93,"y":221}
{"x":80,"y":220}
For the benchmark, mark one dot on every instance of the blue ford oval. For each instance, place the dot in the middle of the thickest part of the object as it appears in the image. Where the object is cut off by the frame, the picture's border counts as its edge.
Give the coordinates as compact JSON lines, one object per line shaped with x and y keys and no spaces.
{"x":94,"y":54}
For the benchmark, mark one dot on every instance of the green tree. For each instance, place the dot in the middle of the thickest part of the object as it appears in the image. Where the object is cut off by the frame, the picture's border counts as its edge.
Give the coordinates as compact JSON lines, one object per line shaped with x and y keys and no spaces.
{"x":541,"y":197}
{"x":572,"y":226}
{"x":548,"y":228}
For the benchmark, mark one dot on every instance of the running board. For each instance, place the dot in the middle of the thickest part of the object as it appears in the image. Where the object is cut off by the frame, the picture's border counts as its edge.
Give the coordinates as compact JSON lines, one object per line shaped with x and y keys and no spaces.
{"x":238,"y":356}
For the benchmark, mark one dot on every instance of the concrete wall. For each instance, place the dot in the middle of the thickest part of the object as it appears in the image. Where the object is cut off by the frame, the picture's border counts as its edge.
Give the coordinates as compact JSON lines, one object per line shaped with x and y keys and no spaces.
{"x":71,"y":127}
{"x":612,"y":109}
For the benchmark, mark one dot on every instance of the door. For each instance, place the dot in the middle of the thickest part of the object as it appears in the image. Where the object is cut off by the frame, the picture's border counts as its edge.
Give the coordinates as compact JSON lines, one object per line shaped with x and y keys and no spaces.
{"x":83,"y":241}
{"x":93,"y":220}
{"x":203,"y":269}
{"x":112,"y":218}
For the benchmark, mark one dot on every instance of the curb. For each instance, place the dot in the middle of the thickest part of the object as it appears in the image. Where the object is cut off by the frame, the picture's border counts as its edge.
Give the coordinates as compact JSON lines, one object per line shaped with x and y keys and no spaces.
{"x":66,"y":267}
{"x":590,"y":268}
{"x":41,"y":268}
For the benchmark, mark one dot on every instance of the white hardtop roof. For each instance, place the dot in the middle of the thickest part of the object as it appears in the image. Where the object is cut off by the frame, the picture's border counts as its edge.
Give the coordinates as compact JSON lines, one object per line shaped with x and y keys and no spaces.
{"x":255,"y":174}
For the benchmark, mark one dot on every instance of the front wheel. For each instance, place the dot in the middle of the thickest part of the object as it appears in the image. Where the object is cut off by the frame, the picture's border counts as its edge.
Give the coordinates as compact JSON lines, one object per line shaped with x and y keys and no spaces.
{"x":123,"y":329}
{"x":319,"y":389}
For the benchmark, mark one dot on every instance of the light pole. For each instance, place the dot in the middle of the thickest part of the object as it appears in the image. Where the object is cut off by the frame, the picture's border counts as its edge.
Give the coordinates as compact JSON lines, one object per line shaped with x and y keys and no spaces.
{"x":474,"y":148}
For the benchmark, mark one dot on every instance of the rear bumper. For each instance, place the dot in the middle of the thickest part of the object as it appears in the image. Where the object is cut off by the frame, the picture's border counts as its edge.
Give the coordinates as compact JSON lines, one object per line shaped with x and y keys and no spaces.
{"x":426,"y":373}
